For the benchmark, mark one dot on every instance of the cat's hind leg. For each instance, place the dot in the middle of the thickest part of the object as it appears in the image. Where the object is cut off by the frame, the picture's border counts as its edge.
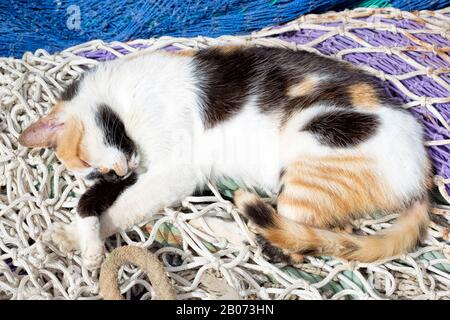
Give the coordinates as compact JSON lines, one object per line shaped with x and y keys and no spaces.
{"x":331,"y":191}
{"x":304,"y":222}
{"x":325,"y":192}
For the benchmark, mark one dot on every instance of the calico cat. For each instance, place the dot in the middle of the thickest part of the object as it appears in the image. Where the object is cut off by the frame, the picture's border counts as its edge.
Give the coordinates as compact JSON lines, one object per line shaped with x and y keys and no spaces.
{"x":150,"y":128}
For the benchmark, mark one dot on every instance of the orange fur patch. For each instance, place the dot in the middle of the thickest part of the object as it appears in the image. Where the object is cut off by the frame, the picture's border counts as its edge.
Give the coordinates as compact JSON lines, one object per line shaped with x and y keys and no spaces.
{"x":57,"y":108}
{"x":69,"y":147}
{"x":302,"y":88}
{"x":297,"y":258}
{"x":338,"y":176}
{"x":282,"y":237}
{"x":302,"y":204}
{"x":184,"y":53}
{"x":363,"y":95}
{"x":279,"y":238}
{"x":344,"y":188}
{"x":230,"y":48}
{"x":103,"y":170}
{"x":341,"y":159}
{"x":332,"y":203}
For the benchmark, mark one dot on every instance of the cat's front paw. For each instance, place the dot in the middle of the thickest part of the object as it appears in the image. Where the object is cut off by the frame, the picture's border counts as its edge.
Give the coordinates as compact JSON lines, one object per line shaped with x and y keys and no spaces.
{"x":93,"y":255}
{"x":63,"y":236}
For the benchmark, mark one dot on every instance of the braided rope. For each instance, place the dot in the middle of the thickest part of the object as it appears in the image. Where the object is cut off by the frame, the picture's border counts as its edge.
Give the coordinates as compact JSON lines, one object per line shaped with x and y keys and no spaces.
{"x":36,"y":190}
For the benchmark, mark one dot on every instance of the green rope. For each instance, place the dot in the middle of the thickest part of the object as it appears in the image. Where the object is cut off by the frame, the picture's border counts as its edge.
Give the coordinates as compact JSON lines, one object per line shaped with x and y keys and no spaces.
{"x":374,"y":4}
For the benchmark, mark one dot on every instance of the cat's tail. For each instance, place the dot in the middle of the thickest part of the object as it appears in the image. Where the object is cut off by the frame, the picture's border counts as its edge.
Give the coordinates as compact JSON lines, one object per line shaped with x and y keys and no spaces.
{"x":292,"y":239}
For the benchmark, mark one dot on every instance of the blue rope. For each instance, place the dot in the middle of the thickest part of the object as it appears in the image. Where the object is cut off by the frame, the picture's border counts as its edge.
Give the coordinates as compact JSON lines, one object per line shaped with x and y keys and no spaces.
{"x":410,"y":5}
{"x":27,"y":25}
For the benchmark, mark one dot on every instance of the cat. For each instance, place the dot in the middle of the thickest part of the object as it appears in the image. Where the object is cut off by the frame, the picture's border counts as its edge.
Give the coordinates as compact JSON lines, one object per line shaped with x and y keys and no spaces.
{"x":153,"y":127}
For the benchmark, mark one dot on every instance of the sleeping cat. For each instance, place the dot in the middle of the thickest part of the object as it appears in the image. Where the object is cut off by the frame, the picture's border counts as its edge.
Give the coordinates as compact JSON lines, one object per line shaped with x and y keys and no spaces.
{"x":150,"y":128}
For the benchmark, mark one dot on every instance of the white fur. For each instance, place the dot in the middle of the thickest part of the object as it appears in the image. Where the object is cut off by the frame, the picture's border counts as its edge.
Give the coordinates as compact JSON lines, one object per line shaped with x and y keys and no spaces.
{"x":156,"y":97}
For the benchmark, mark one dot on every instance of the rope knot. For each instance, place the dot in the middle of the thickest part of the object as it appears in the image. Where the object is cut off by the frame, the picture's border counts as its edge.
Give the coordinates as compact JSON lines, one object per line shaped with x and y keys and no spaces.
{"x":425,"y":263}
{"x":357,"y":224}
{"x":381,"y":75}
{"x":345,"y":20}
{"x":430,"y":72}
{"x":187,"y":254}
{"x":40,"y":201}
{"x":229,"y":207}
{"x":173,"y":215}
{"x":435,"y":49}
{"x":352,"y":265}
{"x":424,"y":101}
{"x":185,"y":203}
{"x":341,"y":30}
{"x":445,"y":34}
{"x":263,"y":293}
{"x":13,"y":254}
{"x":216,"y":264}
{"x":39,"y":263}
{"x":31,"y":77}
{"x":445,"y":248}
{"x":388,"y":51}
{"x":222,"y":244}
{"x":393,"y":28}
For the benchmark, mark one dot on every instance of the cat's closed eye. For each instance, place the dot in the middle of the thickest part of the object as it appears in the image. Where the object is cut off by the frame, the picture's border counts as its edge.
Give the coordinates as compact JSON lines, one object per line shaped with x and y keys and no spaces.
{"x":85,"y":163}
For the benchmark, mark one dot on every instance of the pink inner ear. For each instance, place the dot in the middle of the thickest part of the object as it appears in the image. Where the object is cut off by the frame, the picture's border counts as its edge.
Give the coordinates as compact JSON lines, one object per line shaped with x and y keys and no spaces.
{"x":41,"y":133}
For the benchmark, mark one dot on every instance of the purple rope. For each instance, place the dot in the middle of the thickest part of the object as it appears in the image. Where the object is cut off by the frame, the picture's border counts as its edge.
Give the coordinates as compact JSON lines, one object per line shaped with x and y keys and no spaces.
{"x":390,"y":64}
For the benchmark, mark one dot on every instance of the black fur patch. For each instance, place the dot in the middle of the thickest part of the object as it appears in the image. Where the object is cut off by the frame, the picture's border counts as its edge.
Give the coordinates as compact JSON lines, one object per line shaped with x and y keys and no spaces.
{"x":114,"y":130}
{"x":227,"y":79}
{"x":309,"y":252}
{"x":343,"y":128}
{"x":71,"y":91}
{"x":99,"y":197}
{"x":275,"y":254}
{"x":260,"y":213}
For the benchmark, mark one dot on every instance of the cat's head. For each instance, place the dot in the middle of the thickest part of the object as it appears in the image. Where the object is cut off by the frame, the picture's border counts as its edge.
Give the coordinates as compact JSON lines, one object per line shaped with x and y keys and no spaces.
{"x":90,"y":141}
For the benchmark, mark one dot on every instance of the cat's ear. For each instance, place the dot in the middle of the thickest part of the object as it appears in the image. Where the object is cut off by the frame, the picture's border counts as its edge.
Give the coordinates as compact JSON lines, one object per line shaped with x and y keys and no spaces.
{"x":42,"y":133}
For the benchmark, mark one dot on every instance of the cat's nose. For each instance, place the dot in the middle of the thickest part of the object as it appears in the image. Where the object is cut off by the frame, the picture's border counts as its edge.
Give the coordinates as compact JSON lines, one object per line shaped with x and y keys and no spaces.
{"x":121,"y":168}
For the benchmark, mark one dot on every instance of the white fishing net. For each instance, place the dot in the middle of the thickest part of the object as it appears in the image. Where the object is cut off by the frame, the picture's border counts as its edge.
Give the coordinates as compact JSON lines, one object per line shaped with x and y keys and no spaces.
{"x":36,"y":190}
